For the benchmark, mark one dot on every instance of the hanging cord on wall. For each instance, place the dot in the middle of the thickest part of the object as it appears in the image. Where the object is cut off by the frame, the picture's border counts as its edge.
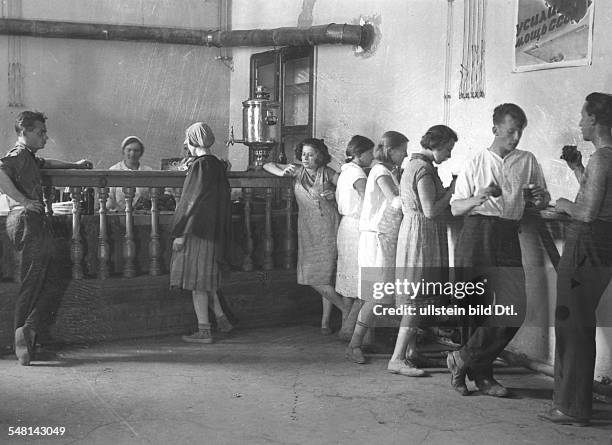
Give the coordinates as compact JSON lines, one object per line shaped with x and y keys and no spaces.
{"x":472,"y":39}
{"x":473,"y":61}
{"x":464,"y":54}
{"x":476,"y":50}
{"x":15,"y":68}
{"x":225,"y":20}
{"x":448,"y":61}
{"x":482,"y":86}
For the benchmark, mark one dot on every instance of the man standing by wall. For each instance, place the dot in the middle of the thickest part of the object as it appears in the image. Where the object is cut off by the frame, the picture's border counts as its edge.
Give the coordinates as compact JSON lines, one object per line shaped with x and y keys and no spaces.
{"x":26,"y":224}
{"x":490,"y":192}
{"x":585,"y":268}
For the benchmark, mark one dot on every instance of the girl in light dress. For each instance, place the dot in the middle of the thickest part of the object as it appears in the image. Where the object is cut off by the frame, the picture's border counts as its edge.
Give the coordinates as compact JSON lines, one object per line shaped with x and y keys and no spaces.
{"x":378,"y":225}
{"x":349,"y":196}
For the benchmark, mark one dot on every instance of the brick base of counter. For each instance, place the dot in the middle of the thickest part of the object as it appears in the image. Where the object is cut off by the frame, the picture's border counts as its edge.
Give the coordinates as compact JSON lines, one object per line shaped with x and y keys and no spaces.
{"x":93,"y":310}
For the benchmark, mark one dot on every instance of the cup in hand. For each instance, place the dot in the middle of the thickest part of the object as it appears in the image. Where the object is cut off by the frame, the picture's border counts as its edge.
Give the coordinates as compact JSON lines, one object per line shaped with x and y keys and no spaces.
{"x":569,"y":153}
{"x":528,"y":193}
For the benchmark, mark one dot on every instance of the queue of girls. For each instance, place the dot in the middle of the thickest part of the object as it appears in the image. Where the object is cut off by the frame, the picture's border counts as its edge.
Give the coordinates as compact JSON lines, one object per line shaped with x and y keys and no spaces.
{"x":351,"y":221}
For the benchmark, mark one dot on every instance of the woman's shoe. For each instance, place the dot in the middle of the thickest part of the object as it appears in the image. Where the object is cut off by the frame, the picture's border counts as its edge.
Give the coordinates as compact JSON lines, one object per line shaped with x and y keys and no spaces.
{"x":405,"y":368}
{"x":458,"y":372}
{"x":355,"y":355}
{"x":325,"y":330}
{"x":22,"y":347}
{"x":223,"y":324}
{"x":201,"y":336}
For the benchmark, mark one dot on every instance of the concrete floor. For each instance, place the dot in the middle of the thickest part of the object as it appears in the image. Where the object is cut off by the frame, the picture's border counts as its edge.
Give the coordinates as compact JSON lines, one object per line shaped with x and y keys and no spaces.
{"x":270,"y":386}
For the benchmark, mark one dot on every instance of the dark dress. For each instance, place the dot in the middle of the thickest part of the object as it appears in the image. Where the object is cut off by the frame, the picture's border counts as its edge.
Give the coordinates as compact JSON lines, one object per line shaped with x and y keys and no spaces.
{"x":203,"y":217}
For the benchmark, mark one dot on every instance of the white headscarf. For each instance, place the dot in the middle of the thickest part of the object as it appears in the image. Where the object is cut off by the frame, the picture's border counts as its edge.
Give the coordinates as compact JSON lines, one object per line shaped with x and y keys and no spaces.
{"x":200,"y":135}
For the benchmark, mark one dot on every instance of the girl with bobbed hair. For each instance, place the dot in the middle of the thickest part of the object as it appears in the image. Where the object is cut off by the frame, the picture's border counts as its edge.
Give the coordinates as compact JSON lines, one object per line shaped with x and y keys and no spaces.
{"x":378,"y":225}
{"x":349,"y":196}
{"x":318,"y":218}
{"x":422,"y":248}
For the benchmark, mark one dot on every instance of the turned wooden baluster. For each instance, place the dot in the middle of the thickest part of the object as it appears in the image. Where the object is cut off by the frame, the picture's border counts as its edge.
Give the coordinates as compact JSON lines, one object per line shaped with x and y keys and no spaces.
{"x":268,"y":261}
{"x":48,"y":199}
{"x":177,"y":194}
{"x":103,"y":245}
{"x":129,"y":248}
{"x":247,"y":264}
{"x":76,"y":248}
{"x":155,"y":244}
{"x":289,"y":243}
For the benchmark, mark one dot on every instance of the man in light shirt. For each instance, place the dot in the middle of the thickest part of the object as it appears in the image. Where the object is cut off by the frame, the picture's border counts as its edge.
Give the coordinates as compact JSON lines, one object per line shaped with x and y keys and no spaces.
{"x":491,"y":192}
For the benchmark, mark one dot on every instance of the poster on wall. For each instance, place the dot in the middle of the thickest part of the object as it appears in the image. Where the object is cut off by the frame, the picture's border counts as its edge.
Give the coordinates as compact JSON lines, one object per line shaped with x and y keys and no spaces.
{"x":553,"y":34}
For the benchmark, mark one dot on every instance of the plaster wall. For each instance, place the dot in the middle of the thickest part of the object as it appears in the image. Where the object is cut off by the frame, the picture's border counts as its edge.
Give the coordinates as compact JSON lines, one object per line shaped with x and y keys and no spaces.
{"x":96,"y":93}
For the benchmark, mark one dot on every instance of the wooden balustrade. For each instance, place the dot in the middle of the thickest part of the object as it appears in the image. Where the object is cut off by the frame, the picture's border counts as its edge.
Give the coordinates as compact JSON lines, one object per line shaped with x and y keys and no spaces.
{"x":252,"y":184}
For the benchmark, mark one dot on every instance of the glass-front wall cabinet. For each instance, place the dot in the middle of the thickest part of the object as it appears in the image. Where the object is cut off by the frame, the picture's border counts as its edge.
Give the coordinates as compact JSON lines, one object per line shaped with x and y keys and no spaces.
{"x":287,"y":73}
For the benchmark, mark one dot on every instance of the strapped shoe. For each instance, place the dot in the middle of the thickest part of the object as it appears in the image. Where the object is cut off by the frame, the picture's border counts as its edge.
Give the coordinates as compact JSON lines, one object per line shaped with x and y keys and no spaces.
{"x":457,"y":373}
{"x":355,"y":355}
{"x":556,"y":416}
{"x":491,"y":387}
{"x":201,"y":336}
{"x":405,"y":367}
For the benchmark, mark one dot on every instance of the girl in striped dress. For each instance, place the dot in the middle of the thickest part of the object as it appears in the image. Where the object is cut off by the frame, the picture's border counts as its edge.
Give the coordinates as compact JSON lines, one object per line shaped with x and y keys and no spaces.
{"x":422,"y":247}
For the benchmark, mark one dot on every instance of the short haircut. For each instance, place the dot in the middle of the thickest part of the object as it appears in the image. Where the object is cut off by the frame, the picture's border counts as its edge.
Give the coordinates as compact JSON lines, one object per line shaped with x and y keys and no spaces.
{"x":437,"y":136}
{"x":512,"y":110}
{"x":26,"y":119}
{"x":323,"y":156}
{"x":600,"y":106}
{"x":388,"y":141}
{"x":357,"y":146}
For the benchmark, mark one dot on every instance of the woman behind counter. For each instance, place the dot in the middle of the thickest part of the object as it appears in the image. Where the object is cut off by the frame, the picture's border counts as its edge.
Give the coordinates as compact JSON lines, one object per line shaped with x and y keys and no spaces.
{"x":133,"y":149}
{"x":202,"y":225}
{"x":422,"y":247}
{"x":318,"y":218}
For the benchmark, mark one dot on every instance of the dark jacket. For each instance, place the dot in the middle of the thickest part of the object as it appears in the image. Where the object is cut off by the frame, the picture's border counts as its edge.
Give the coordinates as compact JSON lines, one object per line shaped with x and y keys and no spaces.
{"x":204,"y":209}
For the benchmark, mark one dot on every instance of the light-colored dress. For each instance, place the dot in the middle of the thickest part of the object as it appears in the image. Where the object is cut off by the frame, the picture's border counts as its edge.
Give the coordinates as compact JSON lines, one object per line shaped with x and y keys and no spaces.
{"x":116,"y":197}
{"x":318,"y":220}
{"x":349,"y":207}
{"x":376,"y":247}
{"x":422,"y":247}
